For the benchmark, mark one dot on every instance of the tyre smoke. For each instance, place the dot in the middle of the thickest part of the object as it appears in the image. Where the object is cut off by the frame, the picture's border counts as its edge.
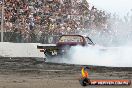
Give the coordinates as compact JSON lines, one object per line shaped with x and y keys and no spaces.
{"x":101,"y":56}
{"x":113,"y":47}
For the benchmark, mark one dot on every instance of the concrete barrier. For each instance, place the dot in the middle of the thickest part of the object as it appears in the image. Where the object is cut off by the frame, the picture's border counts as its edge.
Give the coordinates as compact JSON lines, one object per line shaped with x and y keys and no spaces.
{"x":19,"y":50}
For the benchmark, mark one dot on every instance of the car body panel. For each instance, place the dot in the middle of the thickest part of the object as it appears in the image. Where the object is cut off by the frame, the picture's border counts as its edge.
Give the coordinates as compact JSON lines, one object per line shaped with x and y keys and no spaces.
{"x":64,"y":43}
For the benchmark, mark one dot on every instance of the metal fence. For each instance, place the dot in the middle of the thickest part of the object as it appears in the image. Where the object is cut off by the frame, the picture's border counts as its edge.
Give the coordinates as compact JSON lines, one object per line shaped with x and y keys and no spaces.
{"x":31,"y":38}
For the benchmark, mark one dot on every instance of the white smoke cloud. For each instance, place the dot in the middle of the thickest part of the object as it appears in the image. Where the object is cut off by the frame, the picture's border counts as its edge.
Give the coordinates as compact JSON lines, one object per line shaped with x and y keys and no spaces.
{"x":102,"y":56}
{"x":99,"y":56}
{"x":114,"y":49}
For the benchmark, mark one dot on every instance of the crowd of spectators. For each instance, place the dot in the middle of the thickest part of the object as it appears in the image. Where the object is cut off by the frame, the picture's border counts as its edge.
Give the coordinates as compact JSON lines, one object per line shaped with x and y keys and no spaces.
{"x":36,"y":18}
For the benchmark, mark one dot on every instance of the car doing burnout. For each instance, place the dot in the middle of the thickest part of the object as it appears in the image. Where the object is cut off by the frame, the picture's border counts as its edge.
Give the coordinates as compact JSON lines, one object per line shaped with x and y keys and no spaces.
{"x":64,"y":43}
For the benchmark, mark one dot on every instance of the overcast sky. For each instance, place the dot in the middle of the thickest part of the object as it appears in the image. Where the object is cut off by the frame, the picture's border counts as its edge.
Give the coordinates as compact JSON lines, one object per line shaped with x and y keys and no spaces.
{"x":121,"y":7}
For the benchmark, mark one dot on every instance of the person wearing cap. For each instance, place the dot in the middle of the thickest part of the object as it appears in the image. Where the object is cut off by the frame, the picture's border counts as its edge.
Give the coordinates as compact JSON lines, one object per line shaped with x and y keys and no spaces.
{"x":84,"y":72}
{"x":84,"y":81}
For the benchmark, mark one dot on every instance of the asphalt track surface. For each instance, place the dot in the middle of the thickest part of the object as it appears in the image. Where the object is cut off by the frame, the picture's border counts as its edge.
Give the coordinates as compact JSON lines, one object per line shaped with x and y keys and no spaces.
{"x":30,"y":73}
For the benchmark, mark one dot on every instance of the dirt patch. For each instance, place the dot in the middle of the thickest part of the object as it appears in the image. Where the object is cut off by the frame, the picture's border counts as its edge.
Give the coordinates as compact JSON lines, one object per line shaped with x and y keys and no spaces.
{"x":30,"y":73}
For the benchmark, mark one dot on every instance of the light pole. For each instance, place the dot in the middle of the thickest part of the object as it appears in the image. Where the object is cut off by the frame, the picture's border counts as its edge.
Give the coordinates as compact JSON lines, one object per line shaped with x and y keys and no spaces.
{"x":2,"y":21}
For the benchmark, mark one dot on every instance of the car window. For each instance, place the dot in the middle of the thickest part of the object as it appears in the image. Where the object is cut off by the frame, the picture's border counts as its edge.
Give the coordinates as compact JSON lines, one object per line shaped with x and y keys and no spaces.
{"x":71,"y":39}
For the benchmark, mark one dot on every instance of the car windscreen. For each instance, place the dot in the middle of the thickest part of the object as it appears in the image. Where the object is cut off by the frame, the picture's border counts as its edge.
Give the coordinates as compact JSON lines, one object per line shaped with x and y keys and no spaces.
{"x":71,"y":38}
